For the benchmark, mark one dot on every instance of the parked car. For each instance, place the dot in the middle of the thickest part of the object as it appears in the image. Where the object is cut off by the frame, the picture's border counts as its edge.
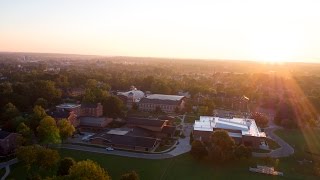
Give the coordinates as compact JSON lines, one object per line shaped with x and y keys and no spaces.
{"x":87,"y":138}
{"x":109,"y":149}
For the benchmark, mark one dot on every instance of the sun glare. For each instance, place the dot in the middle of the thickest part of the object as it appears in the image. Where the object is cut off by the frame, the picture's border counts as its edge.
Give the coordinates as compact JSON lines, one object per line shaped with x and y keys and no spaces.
{"x":275,"y":47}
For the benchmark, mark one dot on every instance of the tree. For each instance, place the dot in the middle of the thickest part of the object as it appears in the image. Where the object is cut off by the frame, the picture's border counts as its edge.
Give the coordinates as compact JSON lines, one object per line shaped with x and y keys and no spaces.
{"x":65,"y":165}
{"x":66,"y":129}
{"x":222,"y":146}
{"x":46,"y":90}
{"x":132,"y":175}
{"x":12,"y":124}
{"x":41,"y":102}
{"x":47,"y":158}
{"x":285,"y":115}
{"x":198,"y":149}
{"x":9,"y":112}
{"x":87,"y":170}
{"x":26,"y":134}
{"x":113,"y":107}
{"x":27,"y":155}
{"x":260,"y":118}
{"x":95,"y":91}
{"x":38,"y":114}
{"x":48,"y":131}
{"x":242,"y":152}
{"x":38,"y":155}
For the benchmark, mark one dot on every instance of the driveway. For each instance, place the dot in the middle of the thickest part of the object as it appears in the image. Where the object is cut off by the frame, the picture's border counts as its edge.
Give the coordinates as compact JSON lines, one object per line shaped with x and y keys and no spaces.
{"x":285,"y":149}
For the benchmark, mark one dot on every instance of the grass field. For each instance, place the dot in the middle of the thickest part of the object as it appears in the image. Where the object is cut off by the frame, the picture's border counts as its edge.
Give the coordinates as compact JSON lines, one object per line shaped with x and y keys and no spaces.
{"x":185,"y":167}
{"x":182,"y":167}
{"x":302,"y":141}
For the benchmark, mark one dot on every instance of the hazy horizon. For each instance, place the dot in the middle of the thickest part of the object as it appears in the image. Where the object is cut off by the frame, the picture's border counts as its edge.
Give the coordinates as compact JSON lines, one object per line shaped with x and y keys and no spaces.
{"x":267,"y":31}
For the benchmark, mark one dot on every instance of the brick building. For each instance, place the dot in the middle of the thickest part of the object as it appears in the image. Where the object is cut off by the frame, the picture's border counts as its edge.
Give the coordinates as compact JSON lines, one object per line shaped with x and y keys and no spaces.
{"x":167,"y":103}
{"x":92,"y":110}
{"x":8,"y":142}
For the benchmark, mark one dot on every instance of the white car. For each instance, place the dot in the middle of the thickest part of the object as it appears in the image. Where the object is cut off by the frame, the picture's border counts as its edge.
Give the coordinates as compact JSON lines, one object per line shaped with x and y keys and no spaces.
{"x":87,"y":138}
{"x":109,"y":149}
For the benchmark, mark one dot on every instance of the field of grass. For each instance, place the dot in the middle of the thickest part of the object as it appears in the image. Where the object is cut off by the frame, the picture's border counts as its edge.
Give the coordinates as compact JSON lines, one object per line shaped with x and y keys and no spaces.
{"x":181,"y":167}
{"x":185,"y":167}
{"x":302,"y":141}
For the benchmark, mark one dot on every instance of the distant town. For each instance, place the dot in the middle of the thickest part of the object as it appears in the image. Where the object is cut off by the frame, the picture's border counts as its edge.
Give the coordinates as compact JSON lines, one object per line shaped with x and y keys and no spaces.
{"x":199,"y":119}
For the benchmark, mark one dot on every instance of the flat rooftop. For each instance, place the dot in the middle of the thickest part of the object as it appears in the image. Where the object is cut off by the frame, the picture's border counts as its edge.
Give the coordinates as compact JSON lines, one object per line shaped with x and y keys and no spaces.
{"x":118,"y":132}
{"x":247,"y":127}
{"x":165,"y":97}
{"x":68,"y":106}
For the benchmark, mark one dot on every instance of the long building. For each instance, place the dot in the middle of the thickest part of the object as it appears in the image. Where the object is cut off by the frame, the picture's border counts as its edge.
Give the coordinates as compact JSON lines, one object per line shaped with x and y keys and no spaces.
{"x":243,"y":131}
{"x":167,"y":103}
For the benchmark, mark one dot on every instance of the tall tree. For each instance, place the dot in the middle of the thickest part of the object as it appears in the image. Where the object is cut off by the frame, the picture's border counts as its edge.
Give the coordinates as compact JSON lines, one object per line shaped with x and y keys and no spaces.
{"x":37,"y":155}
{"x":9,"y":112}
{"x":41,"y":102}
{"x":242,"y":152}
{"x":260,"y":118}
{"x":87,"y":170}
{"x":66,"y":129}
{"x":47,"y":158}
{"x":198,"y":149}
{"x":113,"y":107}
{"x":46,"y":90}
{"x":27,"y":155}
{"x":65,"y":165}
{"x":48,"y":131}
{"x":38,"y":114}
{"x":222,"y":146}
{"x":26,"y":134}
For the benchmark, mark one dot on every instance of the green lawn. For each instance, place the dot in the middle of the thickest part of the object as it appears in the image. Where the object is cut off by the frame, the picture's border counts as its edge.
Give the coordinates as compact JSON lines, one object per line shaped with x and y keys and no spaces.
{"x":185,"y":167}
{"x":302,"y":141}
{"x":181,"y":167}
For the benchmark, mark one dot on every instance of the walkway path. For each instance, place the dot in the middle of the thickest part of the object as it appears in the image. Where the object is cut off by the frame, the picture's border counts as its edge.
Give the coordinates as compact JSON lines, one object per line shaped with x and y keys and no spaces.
{"x":7,"y":166}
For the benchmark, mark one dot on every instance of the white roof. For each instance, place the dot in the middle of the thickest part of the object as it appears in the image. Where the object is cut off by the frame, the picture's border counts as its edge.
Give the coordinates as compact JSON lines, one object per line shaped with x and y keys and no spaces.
{"x":137,"y":94}
{"x":165,"y":97}
{"x":117,"y":132}
{"x":247,"y":127}
{"x":68,"y":105}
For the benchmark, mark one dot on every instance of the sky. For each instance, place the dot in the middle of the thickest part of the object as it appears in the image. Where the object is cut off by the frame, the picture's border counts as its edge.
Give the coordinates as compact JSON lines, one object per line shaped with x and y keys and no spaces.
{"x":270,"y":31}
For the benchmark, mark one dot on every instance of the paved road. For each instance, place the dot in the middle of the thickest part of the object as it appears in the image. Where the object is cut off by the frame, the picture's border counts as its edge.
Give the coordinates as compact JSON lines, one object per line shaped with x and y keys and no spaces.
{"x":7,"y":166}
{"x":285,"y":149}
{"x":181,"y":148}
{"x":116,"y":152}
